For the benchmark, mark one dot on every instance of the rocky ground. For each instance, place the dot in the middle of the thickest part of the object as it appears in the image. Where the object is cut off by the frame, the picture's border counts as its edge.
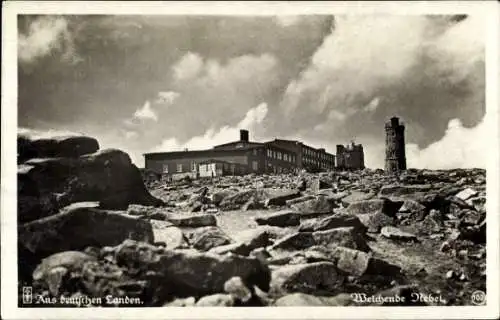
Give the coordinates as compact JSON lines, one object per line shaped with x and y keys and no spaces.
{"x":91,"y":232}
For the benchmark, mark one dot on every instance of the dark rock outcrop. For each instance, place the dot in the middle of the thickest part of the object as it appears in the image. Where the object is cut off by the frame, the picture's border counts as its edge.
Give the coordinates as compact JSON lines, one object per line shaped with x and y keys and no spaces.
{"x":107,"y":176}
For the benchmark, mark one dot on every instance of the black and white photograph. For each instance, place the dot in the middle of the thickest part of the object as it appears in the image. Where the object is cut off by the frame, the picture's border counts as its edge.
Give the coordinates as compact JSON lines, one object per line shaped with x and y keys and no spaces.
{"x":250,"y":157}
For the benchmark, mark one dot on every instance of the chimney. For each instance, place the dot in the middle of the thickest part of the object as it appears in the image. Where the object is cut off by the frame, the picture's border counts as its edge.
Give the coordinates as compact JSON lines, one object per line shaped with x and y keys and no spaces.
{"x":394,"y":122}
{"x":244,"y":135}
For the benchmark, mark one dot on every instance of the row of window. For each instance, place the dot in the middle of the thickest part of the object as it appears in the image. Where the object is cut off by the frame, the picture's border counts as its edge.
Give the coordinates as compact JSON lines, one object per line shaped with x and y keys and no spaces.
{"x":281,"y":155}
{"x":227,"y":166}
{"x":314,"y":154}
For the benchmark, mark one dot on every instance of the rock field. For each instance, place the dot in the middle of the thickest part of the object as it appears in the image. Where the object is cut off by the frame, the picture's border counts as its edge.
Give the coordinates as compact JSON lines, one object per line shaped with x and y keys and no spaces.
{"x":88,"y":226}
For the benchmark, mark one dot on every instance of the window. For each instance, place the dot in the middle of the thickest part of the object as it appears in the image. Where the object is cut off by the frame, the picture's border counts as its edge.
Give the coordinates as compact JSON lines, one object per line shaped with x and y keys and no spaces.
{"x":279,"y":155}
{"x":193,"y":166}
{"x":285,"y":157}
{"x":165,"y":168}
{"x":269,"y":154}
{"x":226,"y":166}
{"x":274,"y":154}
{"x":254,"y":152}
{"x":255,"y":165}
{"x":179,"y":167}
{"x":233,"y":167}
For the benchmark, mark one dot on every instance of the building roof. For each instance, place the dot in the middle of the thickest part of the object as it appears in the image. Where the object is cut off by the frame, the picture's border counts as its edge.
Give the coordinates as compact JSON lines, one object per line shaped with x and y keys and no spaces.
{"x":198,"y":153}
{"x":247,"y":144}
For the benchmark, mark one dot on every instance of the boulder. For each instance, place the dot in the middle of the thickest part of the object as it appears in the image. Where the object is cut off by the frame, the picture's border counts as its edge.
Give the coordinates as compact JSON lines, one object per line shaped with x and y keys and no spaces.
{"x":365,"y":206}
{"x":281,"y":198}
{"x":200,"y":274}
{"x":207,"y":238}
{"x":54,"y":147}
{"x":283,"y":218}
{"x":79,"y":226}
{"x":411,"y":210}
{"x":346,"y":236}
{"x":335,"y":221}
{"x":356,"y":196}
{"x":108,"y":177}
{"x":168,"y":234}
{"x":466,"y":194}
{"x":397,"y":234}
{"x":246,"y":242}
{"x":314,"y":207}
{"x":300,"y":199}
{"x":235,"y":201}
{"x":237,"y":289}
{"x":295,"y":241}
{"x":51,"y":270}
{"x":405,"y":192}
{"x":359,"y":263}
{"x":306,"y":278}
{"x":193,"y":220}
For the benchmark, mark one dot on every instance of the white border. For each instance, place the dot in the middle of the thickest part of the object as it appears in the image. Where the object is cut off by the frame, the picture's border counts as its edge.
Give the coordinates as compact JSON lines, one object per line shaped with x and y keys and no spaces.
{"x":490,"y":11}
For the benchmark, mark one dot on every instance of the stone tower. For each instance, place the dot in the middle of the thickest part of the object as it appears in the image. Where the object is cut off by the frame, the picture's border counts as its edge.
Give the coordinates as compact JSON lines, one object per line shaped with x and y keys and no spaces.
{"x":395,"y":158}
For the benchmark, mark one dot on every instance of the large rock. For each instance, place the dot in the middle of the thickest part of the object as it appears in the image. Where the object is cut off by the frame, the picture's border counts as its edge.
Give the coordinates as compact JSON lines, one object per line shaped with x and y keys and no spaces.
{"x":359,"y":263}
{"x":167,"y":234}
{"x":108,"y":176}
{"x":200,"y":274}
{"x":51,"y":271}
{"x":335,"y":221}
{"x":346,"y":236}
{"x":397,"y":234}
{"x":79,"y":226}
{"x":365,"y":206}
{"x":236,"y":201}
{"x":295,"y":241}
{"x":466,"y":194}
{"x":412,"y":210}
{"x":375,"y":214}
{"x":281,"y":198}
{"x":306,"y":278}
{"x":207,"y":238}
{"x":356,"y":196}
{"x":405,"y":192}
{"x":54,"y":147}
{"x":314,"y":207}
{"x":246,"y":241}
{"x":193,"y":220}
{"x":279,"y":219}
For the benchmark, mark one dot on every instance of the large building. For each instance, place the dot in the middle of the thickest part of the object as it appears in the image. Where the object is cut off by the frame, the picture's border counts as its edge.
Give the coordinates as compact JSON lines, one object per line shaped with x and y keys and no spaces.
{"x":350,"y":157}
{"x":241,"y":157}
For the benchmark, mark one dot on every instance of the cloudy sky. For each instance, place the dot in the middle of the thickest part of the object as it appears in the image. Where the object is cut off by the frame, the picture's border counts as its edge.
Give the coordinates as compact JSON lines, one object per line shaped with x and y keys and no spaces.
{"x":162,"y":83}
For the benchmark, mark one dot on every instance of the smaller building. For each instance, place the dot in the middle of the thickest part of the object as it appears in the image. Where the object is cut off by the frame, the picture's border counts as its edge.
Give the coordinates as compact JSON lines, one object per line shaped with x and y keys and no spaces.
{"x":350,"y":157}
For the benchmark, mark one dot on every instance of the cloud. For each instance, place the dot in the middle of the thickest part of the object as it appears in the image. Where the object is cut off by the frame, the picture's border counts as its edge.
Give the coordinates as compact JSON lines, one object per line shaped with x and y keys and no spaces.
{"x":146,"y":113}
{"x":372,"y":105}
{"x":216,"y":93}
{"x":427,"y":70}
{"x":188,"y":67}
{"x":167,"y":97}
{"x":130,"y":134}
{"x":253,"y":118}
{"x":45,"y":35}
{"x":459,"y":148}
{"x":46,"y":134}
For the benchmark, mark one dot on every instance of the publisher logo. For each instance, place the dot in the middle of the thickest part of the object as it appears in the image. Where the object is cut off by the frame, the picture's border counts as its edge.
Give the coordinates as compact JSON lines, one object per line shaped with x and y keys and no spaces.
{"x":27,"y":295}
{"x":478,"y":298}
